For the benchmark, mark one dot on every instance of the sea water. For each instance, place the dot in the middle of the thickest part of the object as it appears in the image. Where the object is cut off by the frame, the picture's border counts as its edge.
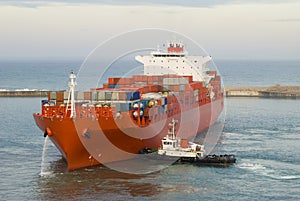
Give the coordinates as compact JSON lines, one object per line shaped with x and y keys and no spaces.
{"x":53,"y":75}
{"x":263,"y":133}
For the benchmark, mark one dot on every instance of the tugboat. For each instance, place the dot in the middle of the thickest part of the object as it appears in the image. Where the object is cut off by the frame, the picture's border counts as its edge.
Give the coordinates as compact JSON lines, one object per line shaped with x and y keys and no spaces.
{"x":189,"y":151}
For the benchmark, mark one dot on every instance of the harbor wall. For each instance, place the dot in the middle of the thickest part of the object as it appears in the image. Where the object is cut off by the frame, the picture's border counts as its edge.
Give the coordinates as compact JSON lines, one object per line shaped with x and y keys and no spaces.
{"x":34,"y":93}
{"x":276,"y":91}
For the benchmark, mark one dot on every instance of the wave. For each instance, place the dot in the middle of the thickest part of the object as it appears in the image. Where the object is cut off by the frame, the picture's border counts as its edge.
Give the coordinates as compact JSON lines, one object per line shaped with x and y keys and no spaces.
{"x":296,"y":128}
{"x":260,"y":131}
{"x":268,"y":171}
{"x":246,"y":138}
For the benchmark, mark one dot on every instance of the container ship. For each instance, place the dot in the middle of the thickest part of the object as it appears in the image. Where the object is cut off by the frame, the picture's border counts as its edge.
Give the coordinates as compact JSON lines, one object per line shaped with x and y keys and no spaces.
{"x":127,"y":114}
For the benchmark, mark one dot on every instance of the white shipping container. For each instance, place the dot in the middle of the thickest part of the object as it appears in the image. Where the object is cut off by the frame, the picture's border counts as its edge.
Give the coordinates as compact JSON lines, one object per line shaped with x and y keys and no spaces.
{"x":94,"y":96}
{"x":66,"y":95}
{"x":79,"y":95}
{"x":183,"y":80}
{"x":108,"y":95}
{"x":101,"y":95}
{"x":115,"y":96}
{"x":53,"y":95}
{"x":175,"y":81}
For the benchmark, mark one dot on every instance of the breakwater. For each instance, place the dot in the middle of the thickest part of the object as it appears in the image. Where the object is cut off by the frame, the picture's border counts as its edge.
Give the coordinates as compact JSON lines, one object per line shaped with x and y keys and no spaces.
{"x":276,"y":91}
{"x":27,"y":93}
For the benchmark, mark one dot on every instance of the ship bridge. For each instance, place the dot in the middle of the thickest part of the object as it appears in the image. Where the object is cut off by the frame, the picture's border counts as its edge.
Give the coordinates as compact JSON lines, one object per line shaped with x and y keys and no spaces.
{"x":175,"y":61}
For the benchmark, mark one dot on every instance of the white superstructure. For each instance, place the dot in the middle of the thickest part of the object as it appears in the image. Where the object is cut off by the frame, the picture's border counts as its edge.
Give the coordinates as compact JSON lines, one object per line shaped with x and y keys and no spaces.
{"x":173,"y":146}
{"x":175,"y":61}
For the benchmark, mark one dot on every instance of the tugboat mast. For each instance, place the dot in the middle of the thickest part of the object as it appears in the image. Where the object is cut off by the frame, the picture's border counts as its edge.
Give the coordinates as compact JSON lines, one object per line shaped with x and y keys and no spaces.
{"x":172,"y":132}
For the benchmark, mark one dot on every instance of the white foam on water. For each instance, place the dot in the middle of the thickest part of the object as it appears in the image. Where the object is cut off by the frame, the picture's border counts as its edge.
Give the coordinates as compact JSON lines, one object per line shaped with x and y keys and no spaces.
{"x":260,"y":132}
{"x":230,"y":134}
{"x":297,"y":128}
{"x":260,"y":169}
{"x":252,"y":166}
{"x":44,"y":171}
{"x":280,"y":176}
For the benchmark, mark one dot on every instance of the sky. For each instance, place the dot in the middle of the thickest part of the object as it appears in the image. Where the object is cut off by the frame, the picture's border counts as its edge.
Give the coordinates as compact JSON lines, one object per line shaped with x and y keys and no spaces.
{"x":228,"y":29}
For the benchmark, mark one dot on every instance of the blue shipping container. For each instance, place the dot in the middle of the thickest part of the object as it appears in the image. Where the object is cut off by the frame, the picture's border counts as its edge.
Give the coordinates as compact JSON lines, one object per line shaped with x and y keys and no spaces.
{"x":132,"y":95}
{"x":113,"y":86}
{"x":136,"y":95}
{"x":45,"y":102}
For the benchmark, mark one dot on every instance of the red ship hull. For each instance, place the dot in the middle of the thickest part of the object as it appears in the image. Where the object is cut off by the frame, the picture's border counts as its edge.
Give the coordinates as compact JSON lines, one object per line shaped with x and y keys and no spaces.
{"x":85,"y":142}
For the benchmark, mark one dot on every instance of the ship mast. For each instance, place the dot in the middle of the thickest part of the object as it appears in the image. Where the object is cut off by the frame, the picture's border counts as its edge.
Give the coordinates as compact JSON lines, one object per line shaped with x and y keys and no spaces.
{"x":71,"y":99}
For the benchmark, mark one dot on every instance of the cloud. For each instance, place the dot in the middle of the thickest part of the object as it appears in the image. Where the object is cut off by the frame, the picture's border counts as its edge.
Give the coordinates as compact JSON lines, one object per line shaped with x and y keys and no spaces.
{"x":25,"y":4}
{"x":202,"y":3}
{"x":286,"y":20}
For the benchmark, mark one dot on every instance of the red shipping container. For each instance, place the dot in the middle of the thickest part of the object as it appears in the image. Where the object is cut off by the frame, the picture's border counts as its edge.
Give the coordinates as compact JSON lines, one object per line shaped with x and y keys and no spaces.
{"x":170,"y":88}
{"x":189,"y":77}
{"x":152,"y":88}
{"x":105,"y":86}
{"x":121,"y":81}
{"x":87,"y":95}
{"x":113,"y":80}
{"x":212,"y":73}
{"x":139,"y":78}
{"x":176,"y":88}
{"x":149,"y":80}
{"x":218,"y":78}
{"x":59,"y":96}
{"x":197,"y":85}
{"x":129,"y":81}
{"x":144,"y":89}
{"x":144,"y":78}
{"x":156,"y":78}
{"x":160,"y":78}
{"x":171,"y":76}
{"x":126,"y":80}
{"x":188,"y":87}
